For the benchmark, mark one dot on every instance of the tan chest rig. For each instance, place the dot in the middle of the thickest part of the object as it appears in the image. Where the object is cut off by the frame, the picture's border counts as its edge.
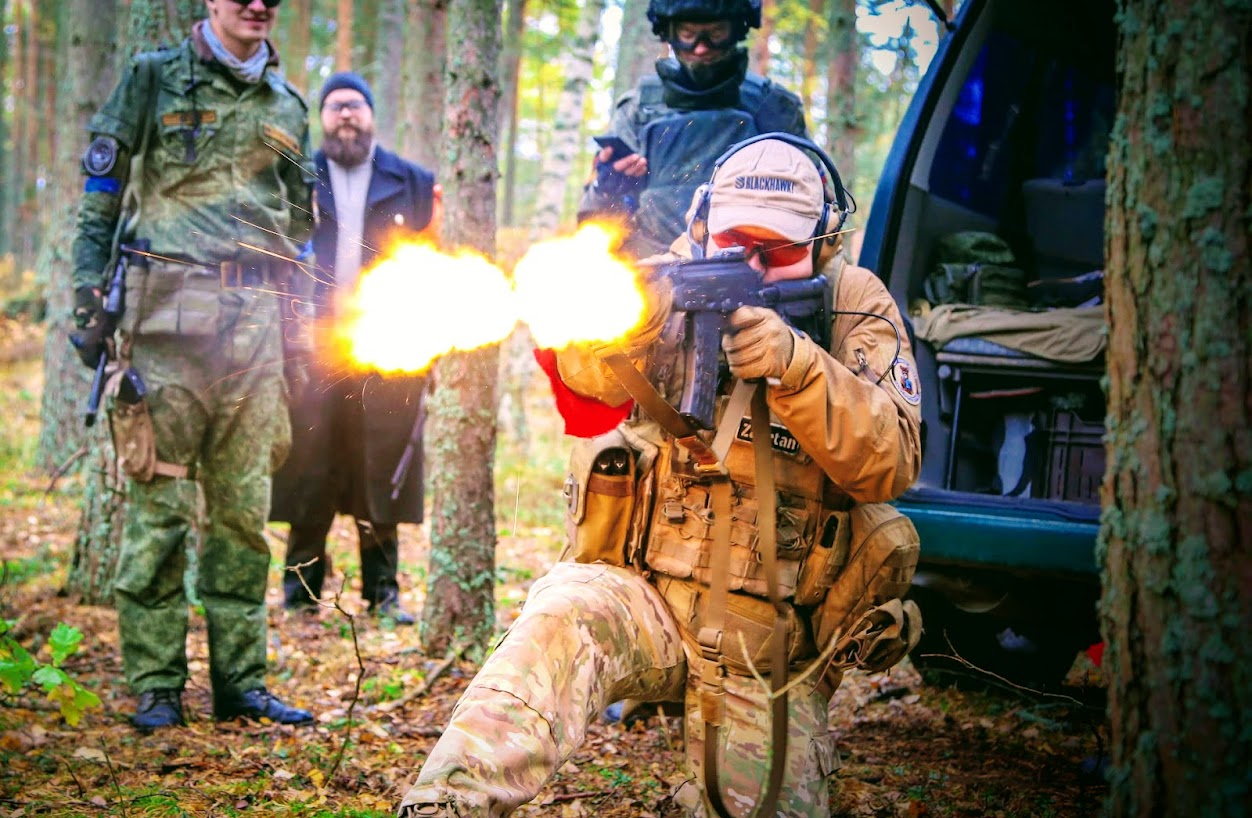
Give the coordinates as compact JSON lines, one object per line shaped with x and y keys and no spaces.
{"x":809,"y":582}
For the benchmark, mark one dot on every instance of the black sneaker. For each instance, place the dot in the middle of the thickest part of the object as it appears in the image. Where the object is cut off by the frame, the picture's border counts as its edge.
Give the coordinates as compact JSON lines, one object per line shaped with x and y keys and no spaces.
{"x":256,"y":705}
{"x":158,"y":708}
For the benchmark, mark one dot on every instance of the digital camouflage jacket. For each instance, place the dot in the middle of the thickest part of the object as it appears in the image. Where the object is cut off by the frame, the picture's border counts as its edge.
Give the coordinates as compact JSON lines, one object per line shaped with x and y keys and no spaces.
{"x":227,"y":165}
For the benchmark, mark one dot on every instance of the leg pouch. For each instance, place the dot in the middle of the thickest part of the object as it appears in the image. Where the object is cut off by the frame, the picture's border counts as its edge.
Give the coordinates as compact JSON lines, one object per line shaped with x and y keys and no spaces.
{"x":600,"y":497}
{"x":134,"y":439}
{"x":882,"y":556}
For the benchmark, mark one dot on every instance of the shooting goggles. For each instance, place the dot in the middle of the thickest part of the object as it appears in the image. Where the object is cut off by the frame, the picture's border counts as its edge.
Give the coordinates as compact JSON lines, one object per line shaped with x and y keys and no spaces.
{"x":773,"y":252}
{"x":269,"y":4}
{"x":687,"y":40}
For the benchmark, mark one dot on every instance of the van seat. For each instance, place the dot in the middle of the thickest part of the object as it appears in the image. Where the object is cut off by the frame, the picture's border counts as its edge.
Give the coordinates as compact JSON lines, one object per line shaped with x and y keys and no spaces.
{"x":1065,"y":222}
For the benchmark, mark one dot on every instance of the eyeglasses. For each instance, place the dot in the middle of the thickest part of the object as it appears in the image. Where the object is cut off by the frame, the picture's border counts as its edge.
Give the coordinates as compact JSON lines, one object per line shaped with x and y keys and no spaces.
{"x":269,"y":4}
{"x":773,"y":252}
{"x":349,"y":105}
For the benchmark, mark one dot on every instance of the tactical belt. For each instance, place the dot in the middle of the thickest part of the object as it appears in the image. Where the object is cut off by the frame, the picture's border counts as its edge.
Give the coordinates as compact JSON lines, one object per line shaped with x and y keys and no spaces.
{"x":252,"y":270}
{"x":712,"y":665}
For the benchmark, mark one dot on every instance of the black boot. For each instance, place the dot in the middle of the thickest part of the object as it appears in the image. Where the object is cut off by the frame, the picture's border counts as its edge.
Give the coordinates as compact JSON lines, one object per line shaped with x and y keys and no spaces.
{"x":162,"y":707}
{"x":258,"y":704}
{"x":389,"y":608}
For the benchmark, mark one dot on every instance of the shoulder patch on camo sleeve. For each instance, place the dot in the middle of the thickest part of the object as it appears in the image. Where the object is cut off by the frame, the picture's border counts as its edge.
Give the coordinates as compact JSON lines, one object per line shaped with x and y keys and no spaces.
{"x":100,"y":156}
{"x":904,"y":377}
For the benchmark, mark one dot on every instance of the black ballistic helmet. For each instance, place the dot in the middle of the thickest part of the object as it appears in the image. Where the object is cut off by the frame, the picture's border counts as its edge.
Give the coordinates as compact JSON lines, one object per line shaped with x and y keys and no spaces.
{"x":747,"y":13}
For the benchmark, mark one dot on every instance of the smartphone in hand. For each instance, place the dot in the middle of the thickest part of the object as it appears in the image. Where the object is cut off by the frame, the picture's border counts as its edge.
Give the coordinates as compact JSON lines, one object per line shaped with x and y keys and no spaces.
{"x":619,"y":146}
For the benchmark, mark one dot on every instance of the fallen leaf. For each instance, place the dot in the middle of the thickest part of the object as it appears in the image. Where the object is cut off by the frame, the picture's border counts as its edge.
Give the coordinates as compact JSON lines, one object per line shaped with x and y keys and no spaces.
{"x":90,"y":754}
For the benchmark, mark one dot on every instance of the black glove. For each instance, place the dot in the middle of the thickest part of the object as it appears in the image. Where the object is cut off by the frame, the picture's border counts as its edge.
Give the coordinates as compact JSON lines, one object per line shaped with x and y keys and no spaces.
{"x":88,"y":339}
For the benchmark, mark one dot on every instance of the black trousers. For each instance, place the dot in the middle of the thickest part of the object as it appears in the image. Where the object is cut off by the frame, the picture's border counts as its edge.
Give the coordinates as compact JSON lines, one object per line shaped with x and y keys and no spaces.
{"x":379,"y":548}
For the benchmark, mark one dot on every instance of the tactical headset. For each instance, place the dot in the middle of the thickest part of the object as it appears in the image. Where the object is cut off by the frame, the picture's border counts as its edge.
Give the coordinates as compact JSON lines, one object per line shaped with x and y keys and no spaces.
{"x":837,"y":212}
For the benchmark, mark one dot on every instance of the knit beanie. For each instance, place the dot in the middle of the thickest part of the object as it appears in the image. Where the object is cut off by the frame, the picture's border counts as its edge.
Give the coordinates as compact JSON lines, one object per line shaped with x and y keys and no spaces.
{"x":346,"y":79}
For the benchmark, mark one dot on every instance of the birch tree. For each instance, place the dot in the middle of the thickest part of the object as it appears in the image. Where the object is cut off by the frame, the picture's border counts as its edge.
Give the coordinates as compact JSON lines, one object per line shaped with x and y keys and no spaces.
{"x":1177,"y":600}
{"x":564,"y":147}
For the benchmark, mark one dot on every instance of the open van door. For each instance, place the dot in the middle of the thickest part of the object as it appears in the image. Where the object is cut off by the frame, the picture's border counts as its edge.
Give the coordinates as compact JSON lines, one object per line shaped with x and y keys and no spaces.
{"x":987,"y":227}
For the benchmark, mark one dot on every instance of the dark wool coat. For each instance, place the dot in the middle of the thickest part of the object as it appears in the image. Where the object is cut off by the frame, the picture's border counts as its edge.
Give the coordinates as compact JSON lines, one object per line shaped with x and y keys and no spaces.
{"x":349,"y":429}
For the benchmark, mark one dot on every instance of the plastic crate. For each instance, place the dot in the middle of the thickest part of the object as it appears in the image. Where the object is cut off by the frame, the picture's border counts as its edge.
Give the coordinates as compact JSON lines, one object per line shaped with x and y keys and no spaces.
{"x":1075,"y":459}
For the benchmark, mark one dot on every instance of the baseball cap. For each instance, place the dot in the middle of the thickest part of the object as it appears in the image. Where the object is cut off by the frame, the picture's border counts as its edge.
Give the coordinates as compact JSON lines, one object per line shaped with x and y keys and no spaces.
{"x":768,"y":184}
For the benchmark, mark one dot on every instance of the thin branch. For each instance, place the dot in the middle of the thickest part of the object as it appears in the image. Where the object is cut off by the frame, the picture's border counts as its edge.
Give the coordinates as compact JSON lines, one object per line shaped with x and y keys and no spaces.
{"x":426,"y":684}
{"x":113,"y":774}
{"x":63,"y":468}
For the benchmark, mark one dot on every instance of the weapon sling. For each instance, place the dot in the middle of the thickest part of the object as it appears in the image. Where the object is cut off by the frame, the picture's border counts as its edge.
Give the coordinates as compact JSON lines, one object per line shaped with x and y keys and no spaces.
{"x":713,"y":669}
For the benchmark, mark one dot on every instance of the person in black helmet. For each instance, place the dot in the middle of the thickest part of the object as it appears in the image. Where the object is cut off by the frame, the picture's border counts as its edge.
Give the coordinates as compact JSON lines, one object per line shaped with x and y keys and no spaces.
{"x":701,"y":101}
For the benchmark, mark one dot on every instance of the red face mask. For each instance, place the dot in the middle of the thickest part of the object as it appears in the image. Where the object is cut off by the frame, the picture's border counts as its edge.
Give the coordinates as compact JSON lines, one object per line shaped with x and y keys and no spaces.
{"x":772,"y":252}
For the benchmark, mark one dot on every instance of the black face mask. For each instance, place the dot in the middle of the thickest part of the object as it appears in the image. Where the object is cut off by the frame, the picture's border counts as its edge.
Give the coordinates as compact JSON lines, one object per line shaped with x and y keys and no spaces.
{"x":713,"y":85}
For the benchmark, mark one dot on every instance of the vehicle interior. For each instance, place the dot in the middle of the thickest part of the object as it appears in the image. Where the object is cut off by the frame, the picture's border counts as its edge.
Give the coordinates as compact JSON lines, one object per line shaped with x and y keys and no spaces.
{"x":1014,"y":151}
{"x":993,"y":243}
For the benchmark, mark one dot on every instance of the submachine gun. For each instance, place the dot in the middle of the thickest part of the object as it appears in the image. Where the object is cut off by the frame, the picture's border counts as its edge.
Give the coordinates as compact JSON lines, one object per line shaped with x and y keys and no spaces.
{"x":114,"y":309}
{"x":707,"y":291}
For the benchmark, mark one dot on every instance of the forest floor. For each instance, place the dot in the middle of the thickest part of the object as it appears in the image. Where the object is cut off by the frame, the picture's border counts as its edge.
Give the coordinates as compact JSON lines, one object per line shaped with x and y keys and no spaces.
{"x":908,"y":749}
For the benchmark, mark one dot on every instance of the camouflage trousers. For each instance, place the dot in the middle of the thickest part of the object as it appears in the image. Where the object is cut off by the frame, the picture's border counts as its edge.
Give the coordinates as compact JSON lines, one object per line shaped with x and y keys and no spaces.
{"x":218,"y":405}
{"x":590,"y":635}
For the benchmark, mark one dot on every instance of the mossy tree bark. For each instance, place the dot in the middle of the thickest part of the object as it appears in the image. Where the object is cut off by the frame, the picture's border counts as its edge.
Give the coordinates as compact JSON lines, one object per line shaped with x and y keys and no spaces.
{"x":94,"y":563}
{"x":1177,"y":521}
{"x":460,"y":607}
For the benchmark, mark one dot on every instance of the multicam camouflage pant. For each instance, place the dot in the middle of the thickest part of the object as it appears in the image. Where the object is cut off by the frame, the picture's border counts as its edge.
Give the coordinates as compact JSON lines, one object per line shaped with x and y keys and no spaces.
{"x":590,"y":635}
{"x":217,"y":399}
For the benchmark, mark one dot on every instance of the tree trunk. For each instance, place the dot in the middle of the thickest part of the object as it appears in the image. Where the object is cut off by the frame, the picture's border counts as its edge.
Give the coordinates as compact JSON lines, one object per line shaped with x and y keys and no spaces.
{"x":1177,"y":601}
{"x":758,"y":52}
{"x":841,"y":124}
{"x":6,"y":178}
{"x":637,"y":49}
{"x":565,"y":148}
{"x":87,"y":45}
{"x":298,"y":44}
{"x":422,"y":129}
{"x":460,"y":589}
{"x":388,"y":71}
{"x":96,"y":545}
{"x":510,"y":82}
{"x":808,"y":79}
{"x":343,"y":36}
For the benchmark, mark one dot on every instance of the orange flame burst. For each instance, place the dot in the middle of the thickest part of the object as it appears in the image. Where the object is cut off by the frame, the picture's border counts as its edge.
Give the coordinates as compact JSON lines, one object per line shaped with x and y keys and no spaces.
{"x":573,"y":290}
{"x":418,"y":303}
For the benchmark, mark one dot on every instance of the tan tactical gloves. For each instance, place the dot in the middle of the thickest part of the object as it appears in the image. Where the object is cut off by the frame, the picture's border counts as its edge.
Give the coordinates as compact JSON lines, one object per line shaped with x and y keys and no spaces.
{"x":759,"y":345}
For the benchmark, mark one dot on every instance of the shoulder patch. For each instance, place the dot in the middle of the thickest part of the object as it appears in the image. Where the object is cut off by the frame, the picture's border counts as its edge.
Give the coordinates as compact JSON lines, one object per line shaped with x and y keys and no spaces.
{"x":277,"y":135}
{"x":100,"y":156}
{"x":904,"y":378}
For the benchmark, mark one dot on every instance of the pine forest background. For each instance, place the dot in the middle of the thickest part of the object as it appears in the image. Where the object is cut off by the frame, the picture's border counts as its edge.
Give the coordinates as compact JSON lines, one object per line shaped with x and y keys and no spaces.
{"x":552,"y":99}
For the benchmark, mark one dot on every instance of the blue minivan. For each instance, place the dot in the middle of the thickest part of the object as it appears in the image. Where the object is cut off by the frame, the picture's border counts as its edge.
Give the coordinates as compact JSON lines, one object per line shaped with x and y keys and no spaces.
{"x":1005,"y":142}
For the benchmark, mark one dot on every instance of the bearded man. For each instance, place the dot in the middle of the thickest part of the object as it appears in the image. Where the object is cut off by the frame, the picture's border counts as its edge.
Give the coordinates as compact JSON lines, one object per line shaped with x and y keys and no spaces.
{"x":351,"y":427}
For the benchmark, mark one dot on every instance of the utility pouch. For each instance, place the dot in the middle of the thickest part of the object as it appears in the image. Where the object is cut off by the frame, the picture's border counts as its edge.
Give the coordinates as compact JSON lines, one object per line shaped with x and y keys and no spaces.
{"x":749,"y":625}
{"x":600,"y":498}
{"x":825,"y":560}
{"x":134,"y":439}
{"x":172,"y":299}
{"x":882,"y":556}
{"x":881,"y":637}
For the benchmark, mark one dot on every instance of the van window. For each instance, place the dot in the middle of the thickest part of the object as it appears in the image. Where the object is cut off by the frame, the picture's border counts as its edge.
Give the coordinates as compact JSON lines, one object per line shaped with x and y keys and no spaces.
{"x":980,"y":159}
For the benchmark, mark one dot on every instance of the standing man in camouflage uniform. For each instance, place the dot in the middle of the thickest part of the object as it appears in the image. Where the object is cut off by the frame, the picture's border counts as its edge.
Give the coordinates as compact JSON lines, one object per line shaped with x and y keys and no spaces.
{"x":211,"y":144}
{"x":700,"y":102}
{"x":672,"y":586}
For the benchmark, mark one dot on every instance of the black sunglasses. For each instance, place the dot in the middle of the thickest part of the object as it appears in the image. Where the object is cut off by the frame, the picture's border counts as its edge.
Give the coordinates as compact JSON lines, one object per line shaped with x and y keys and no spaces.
{"x":269,"y":4}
